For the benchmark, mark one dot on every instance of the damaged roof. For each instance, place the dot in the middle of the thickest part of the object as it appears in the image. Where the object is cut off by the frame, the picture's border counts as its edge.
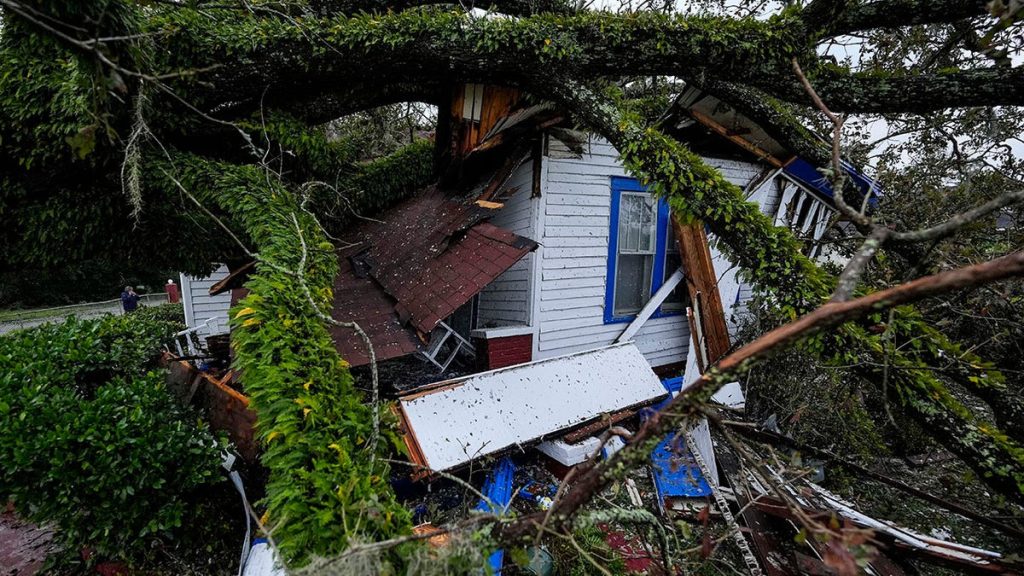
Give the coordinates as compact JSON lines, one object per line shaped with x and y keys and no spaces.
{"x":405,"y":273}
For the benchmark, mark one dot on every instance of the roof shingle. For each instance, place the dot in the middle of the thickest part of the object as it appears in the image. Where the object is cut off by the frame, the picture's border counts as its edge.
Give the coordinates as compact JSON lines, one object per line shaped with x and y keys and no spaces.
{"x":428,"y":256}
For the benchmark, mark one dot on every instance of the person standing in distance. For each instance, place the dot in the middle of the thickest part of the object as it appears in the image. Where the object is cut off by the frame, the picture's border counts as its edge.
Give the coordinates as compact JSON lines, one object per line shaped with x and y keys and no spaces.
{"x":129,"y":299}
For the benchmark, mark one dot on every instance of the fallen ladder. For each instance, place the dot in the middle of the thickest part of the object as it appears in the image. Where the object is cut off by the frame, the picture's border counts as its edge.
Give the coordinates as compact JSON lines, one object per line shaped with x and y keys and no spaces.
{"x":723,"y":506}
{"x":437,"y":342}
{"x":191,"y":340}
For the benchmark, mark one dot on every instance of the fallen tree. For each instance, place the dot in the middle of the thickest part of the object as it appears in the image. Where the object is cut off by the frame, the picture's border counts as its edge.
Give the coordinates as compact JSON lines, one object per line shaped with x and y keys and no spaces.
{"x":151,"y":111}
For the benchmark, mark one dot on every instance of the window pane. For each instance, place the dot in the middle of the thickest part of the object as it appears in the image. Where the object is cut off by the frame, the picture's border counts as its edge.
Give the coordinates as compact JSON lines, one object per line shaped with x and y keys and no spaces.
{"x":637,"y":223}
{"x":632,"y":283}
{"x":623,"y":223}
{"x":637,"y":244}
{"x":649,"y":226}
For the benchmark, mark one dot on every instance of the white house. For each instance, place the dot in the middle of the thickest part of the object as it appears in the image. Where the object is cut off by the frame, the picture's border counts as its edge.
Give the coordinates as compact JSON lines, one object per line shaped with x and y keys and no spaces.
{"x":538,"y":243}
{"x":606,"y":247}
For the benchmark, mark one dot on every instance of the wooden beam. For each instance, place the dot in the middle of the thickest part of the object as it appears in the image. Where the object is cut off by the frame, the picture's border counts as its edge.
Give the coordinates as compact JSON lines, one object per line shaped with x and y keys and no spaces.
{"x":515,"y":158}
{"x":702,"y":284}
{"x":714,"y":126}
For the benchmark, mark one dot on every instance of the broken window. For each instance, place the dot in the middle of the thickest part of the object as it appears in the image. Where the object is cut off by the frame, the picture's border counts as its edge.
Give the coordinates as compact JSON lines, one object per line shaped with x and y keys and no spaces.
{"x":676,"y":301}
{"x":639,"y":257}
{"x":806,"y":215}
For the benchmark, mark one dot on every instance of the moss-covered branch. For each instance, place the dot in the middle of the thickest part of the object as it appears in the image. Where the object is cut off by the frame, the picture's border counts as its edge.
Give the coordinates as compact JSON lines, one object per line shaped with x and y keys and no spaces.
{"x":770,"y":257}
{"x":326,"y":486}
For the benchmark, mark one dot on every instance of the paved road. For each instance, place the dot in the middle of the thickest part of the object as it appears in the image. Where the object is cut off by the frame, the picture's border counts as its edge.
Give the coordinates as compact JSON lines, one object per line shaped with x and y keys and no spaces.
{"x":91,"y":310}
{"x":23,"y":546}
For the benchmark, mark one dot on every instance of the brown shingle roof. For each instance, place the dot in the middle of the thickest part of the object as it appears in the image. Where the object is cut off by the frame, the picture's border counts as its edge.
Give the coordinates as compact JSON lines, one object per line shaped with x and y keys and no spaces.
{"x":429,"y":256}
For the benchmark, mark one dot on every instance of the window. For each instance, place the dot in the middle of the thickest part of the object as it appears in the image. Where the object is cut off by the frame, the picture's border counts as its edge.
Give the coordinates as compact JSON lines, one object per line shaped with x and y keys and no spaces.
{"x":642,"y":253}
{"x":637,"y":248}
{"x":472,"y":101}
{"x":676,"y":301}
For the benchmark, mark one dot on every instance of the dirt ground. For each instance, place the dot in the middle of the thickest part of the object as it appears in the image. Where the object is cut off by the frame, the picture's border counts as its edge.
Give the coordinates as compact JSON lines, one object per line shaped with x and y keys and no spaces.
{"x":23,"y":546}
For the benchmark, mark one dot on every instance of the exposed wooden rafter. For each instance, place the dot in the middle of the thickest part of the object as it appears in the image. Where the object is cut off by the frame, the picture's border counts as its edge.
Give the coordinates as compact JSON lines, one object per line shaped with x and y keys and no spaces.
{"x":731,"y":135}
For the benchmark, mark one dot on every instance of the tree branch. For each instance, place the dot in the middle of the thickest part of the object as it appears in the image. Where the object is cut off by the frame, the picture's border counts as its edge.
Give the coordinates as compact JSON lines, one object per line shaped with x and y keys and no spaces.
{"x":896,"y":13}
{"x":593,"y":477}
{"x":510,"y":7}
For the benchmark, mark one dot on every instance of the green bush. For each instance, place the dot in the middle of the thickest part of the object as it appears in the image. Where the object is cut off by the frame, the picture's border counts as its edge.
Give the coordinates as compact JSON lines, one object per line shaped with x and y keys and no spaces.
{"x":91,"y":442}
{"x":174,"y":313}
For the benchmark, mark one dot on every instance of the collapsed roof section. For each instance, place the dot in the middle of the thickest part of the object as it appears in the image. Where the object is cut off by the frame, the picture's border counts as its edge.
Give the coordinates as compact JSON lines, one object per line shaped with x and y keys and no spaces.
{"x":707,"y":111}
{"x":405,"y":273}
{"x":454,"y":422}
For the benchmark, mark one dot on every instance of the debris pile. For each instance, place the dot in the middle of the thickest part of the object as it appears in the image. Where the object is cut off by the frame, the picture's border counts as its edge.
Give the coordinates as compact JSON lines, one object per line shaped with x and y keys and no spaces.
{"x":529,"y":426}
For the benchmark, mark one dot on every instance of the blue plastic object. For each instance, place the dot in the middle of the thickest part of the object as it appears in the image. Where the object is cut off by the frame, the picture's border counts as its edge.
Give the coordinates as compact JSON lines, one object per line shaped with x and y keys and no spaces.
{"x":674,"y":386}
{"x":673,"y":470}
{"x":675,"y":473}
{"x":533,"y":491}
{"x":801,"y":170}
{"x":498,"y":489}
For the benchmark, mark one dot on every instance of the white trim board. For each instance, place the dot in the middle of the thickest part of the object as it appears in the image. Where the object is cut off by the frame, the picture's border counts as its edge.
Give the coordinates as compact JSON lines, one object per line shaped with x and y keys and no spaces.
{"x":651,"y":307}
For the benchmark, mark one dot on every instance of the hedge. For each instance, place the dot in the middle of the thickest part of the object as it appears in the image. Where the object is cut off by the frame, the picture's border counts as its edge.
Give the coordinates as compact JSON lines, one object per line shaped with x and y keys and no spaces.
{"x":91,"y":441}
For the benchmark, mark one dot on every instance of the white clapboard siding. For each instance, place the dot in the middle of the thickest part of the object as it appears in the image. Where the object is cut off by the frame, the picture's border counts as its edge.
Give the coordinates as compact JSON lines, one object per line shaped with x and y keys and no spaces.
{"x":574,"y":268}
{"x":506,"y":301}
{"x":200,"y":306}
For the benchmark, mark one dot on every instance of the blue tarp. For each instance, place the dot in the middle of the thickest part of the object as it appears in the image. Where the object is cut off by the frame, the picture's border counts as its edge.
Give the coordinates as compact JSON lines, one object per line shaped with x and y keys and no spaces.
{"x":673,"y":471}
{"x":498,"y":489}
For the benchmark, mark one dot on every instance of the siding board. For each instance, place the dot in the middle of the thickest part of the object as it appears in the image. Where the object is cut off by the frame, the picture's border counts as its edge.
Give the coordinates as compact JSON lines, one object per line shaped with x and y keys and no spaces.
{"x":572,"y":295}
{"x":201,"y":306}
{"x":507,"y":300}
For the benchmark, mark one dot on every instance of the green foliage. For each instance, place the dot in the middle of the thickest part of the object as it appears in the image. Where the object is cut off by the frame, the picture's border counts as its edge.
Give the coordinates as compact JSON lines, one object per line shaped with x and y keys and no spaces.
{"x":316,"y":156}
{"x":90,"y":439}
{"x":767,"y":255}
{"x":383,"y":182}
{"x":328,"y":483}
{"x":173,"y":314}
{"x":590,"y":538}
{"x":771,"y":259}
{"x":340,"y":187}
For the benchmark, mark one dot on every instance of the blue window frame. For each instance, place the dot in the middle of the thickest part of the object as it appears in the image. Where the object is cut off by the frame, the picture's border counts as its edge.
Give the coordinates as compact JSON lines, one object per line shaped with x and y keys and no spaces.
{"x":637,"y":244}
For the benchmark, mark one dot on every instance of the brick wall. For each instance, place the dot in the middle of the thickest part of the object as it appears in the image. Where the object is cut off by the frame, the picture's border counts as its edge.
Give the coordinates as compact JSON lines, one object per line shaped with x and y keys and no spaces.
{"x":493,"y":353}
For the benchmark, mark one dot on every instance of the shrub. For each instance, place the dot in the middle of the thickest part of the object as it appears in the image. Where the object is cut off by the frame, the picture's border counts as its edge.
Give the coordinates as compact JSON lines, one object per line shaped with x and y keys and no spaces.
{"x":174,"y":313}
{"x":90,"y":440}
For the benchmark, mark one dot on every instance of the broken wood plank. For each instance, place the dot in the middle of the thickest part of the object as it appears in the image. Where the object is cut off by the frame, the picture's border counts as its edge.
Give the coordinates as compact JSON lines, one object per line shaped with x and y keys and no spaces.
{"x":504,"y":173}
{"x":651,"y":307}
{"x":778,"y":439}
{"x":593,"y":428}
{"x":702,"y":284}
{"x":713,"y":124}
{"x":961,"y":558}
{"x":461,"y":420}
